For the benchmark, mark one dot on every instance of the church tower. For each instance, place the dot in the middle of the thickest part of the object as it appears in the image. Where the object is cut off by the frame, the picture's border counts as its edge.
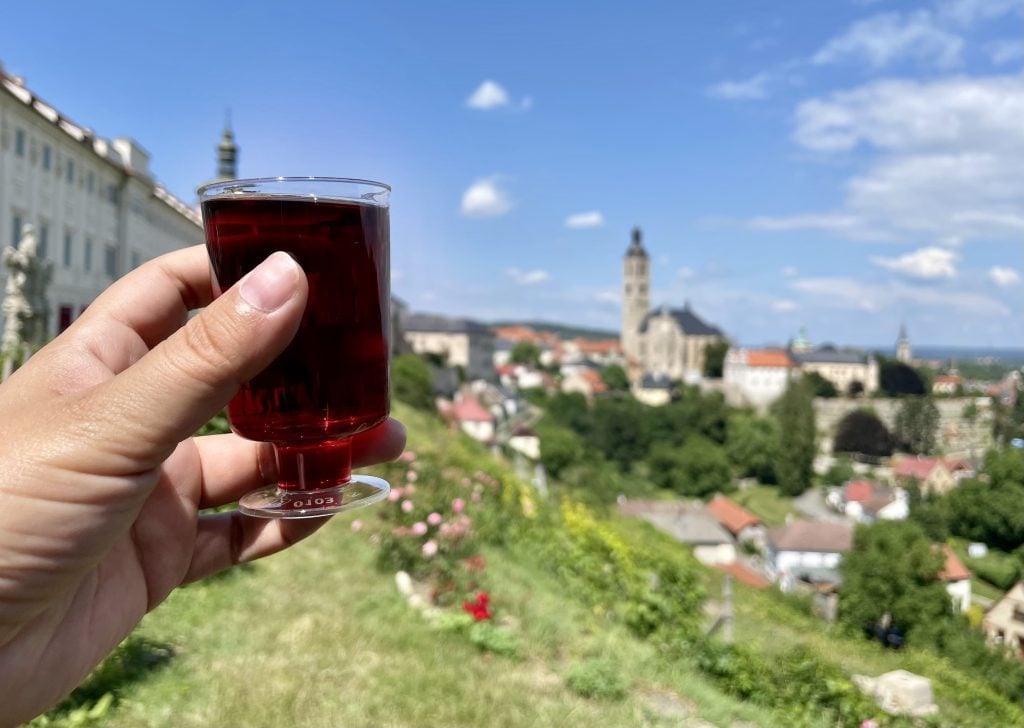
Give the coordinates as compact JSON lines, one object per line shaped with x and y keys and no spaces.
{"x":903,"y":351}
{"x":227,"y":154}
{"x":636,"y":294}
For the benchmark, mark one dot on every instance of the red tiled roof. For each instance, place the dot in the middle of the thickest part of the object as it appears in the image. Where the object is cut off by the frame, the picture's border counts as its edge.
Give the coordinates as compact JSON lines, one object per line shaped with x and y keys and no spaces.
{"x":593,"y":378}
{"x":515,"y":333}
{"x":948,"y":379}
{"x":859,"y":491}
{"x":812,"y":536}
{"x":744,"y":575}
{"x":731,"y":515}
{"x":468,"y":409}
{"x":604,"y":346}
{"x":922,"y":467}
{"x":768,"y":358}
{"x":918,"y":467}
{"x":954,"y":569}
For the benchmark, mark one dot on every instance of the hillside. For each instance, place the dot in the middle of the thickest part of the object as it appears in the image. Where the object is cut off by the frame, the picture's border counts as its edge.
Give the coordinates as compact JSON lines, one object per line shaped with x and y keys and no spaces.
{"x":595,"y":621}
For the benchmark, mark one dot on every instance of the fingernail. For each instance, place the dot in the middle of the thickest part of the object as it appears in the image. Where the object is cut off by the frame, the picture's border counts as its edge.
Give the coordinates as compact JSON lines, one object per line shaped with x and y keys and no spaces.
{"x":271,"y":283}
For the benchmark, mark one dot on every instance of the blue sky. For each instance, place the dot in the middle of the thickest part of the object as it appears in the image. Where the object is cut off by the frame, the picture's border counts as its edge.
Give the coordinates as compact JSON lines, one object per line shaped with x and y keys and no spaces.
{"x":847,"y":165}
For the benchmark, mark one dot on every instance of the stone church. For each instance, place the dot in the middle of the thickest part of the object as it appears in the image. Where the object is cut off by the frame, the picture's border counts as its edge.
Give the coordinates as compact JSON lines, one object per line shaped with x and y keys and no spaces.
{"x":666,"y":341}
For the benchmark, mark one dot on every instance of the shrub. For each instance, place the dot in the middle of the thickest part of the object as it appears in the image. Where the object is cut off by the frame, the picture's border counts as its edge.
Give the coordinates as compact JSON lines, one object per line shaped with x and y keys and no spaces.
{"x":597,"y":678}
{"x":654,"y":591}
{"x":412,"y":382}
{"x":800,"y":687}
{"x":1000,"y":572}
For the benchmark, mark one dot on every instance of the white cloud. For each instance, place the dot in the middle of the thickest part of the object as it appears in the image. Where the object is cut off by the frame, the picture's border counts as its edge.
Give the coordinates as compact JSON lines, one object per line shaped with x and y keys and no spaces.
{"x":946,"y":164}
{"x":488,"y":95}
{"x":486,"y":198}
{"x":784,"y":306}
{"x":954,"y":114}
{"x":1003,"y":277}
{"x":608,"y":296}
{"x":590,"y":219}
{"x":883,"y":39}
{"x":686,"y":273}
{"x":755,"y":87}
{"x":1006,"y":51}
{"x":527,"y":277}
{"x":968,"y":12}
{"x":927,"y":263}
{"x":790,"y":271}
{"x":851,"y":294}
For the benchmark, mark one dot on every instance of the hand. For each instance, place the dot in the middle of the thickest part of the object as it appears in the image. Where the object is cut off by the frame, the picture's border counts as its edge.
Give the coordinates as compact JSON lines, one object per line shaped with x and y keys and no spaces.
{"x":100,"y":483}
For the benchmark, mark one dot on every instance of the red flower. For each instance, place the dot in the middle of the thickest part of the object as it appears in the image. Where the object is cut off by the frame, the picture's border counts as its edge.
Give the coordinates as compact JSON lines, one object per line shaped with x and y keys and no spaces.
{"x":478,"y":609}
{"x":476,"y":563}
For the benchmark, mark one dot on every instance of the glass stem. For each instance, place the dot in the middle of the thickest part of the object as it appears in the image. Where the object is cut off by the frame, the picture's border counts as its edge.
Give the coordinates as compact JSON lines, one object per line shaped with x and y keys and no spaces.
{"x":314,"y":466}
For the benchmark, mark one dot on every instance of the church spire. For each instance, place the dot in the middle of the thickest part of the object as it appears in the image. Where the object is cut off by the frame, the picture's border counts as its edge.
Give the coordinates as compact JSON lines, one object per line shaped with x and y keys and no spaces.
{"x":903,"y":351}
{"x":636,"y":246}
{"x":227,"y":152}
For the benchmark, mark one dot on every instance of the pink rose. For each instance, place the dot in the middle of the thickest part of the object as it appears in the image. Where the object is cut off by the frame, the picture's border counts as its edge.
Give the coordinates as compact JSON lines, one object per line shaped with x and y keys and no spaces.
{"x":419,"y":528}
{"x":394,"y":495}
{"x":430,"y":548}
{"x":357,"y":525}
{"x":434,"y":519}
{"x":412,"y":476}
{"x":408,"y":456}
{"x":458,"y":505}
{"x":407,"y":506}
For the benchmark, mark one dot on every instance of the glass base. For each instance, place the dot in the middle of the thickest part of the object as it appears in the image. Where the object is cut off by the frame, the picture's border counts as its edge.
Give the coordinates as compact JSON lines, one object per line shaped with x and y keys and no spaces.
{"x":274,"y":502}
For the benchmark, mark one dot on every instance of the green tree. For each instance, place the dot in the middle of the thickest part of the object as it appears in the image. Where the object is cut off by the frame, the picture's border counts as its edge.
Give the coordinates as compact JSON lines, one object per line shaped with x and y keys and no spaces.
{"x":893,"y":569}
{"x":714,"y":359}
{"x":525,"y":353}
{"x":862,"y":432}
{"x":571,"y":410}
{"x":621,"y":430}
{"x":794,"y":412}
{"x":897,"y":379}
{"x":560,"y":447}
{"x":693,"y":412}
{"x":822,"y":387}
{"x":752,"y":444}
{"x":917,"y":424}
{"x":412,"y":382}
{"x":697,"y":469}
{"x":840,"y":472}
{"x":614,"y":377}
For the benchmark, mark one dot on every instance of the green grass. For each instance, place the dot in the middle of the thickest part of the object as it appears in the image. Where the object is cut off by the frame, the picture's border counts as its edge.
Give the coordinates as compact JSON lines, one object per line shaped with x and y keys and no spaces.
{"x":984,"y":589}
{"x":317,"y":637}
{"x":763,"y":619}
{"x":766,"y":503}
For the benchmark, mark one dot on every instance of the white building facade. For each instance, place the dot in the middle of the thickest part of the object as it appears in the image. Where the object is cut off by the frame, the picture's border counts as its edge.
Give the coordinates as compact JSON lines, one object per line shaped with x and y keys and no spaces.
{"x":95,"y":207}
{"x":757,"y":377}
{"x":459,"y":342}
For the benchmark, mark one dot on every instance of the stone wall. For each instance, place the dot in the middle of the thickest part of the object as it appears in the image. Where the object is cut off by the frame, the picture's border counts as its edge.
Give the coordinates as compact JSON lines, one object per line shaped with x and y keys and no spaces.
{"x":956,"y":433}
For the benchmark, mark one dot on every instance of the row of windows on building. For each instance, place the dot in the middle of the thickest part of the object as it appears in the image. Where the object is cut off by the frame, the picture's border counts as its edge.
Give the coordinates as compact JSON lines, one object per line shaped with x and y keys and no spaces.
{"x":67,"y":250}
{"x":67,"y":170}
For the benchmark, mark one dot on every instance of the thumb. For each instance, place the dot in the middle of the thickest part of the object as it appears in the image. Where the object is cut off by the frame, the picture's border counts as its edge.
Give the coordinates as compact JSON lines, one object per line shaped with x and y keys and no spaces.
{"x":186,"y":379}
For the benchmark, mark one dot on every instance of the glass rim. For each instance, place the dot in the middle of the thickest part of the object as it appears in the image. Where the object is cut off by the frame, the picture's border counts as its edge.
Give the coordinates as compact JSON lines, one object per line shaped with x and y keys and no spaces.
{"x":203,"y":189}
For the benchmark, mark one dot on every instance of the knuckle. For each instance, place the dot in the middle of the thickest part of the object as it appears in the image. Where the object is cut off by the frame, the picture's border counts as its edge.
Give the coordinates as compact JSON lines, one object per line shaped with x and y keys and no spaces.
{"x":206,"y":349}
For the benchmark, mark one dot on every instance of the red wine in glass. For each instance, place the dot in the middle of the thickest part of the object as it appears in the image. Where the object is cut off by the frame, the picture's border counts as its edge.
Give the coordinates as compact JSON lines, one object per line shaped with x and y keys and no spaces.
{"x":332,"y":381}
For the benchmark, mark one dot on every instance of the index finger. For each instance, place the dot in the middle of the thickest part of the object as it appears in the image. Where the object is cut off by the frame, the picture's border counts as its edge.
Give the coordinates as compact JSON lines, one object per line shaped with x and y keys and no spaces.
{"x":154,"y":300}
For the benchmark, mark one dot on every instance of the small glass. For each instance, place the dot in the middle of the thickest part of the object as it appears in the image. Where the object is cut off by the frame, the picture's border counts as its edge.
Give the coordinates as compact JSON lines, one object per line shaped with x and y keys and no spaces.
{"x":332,"y":381}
